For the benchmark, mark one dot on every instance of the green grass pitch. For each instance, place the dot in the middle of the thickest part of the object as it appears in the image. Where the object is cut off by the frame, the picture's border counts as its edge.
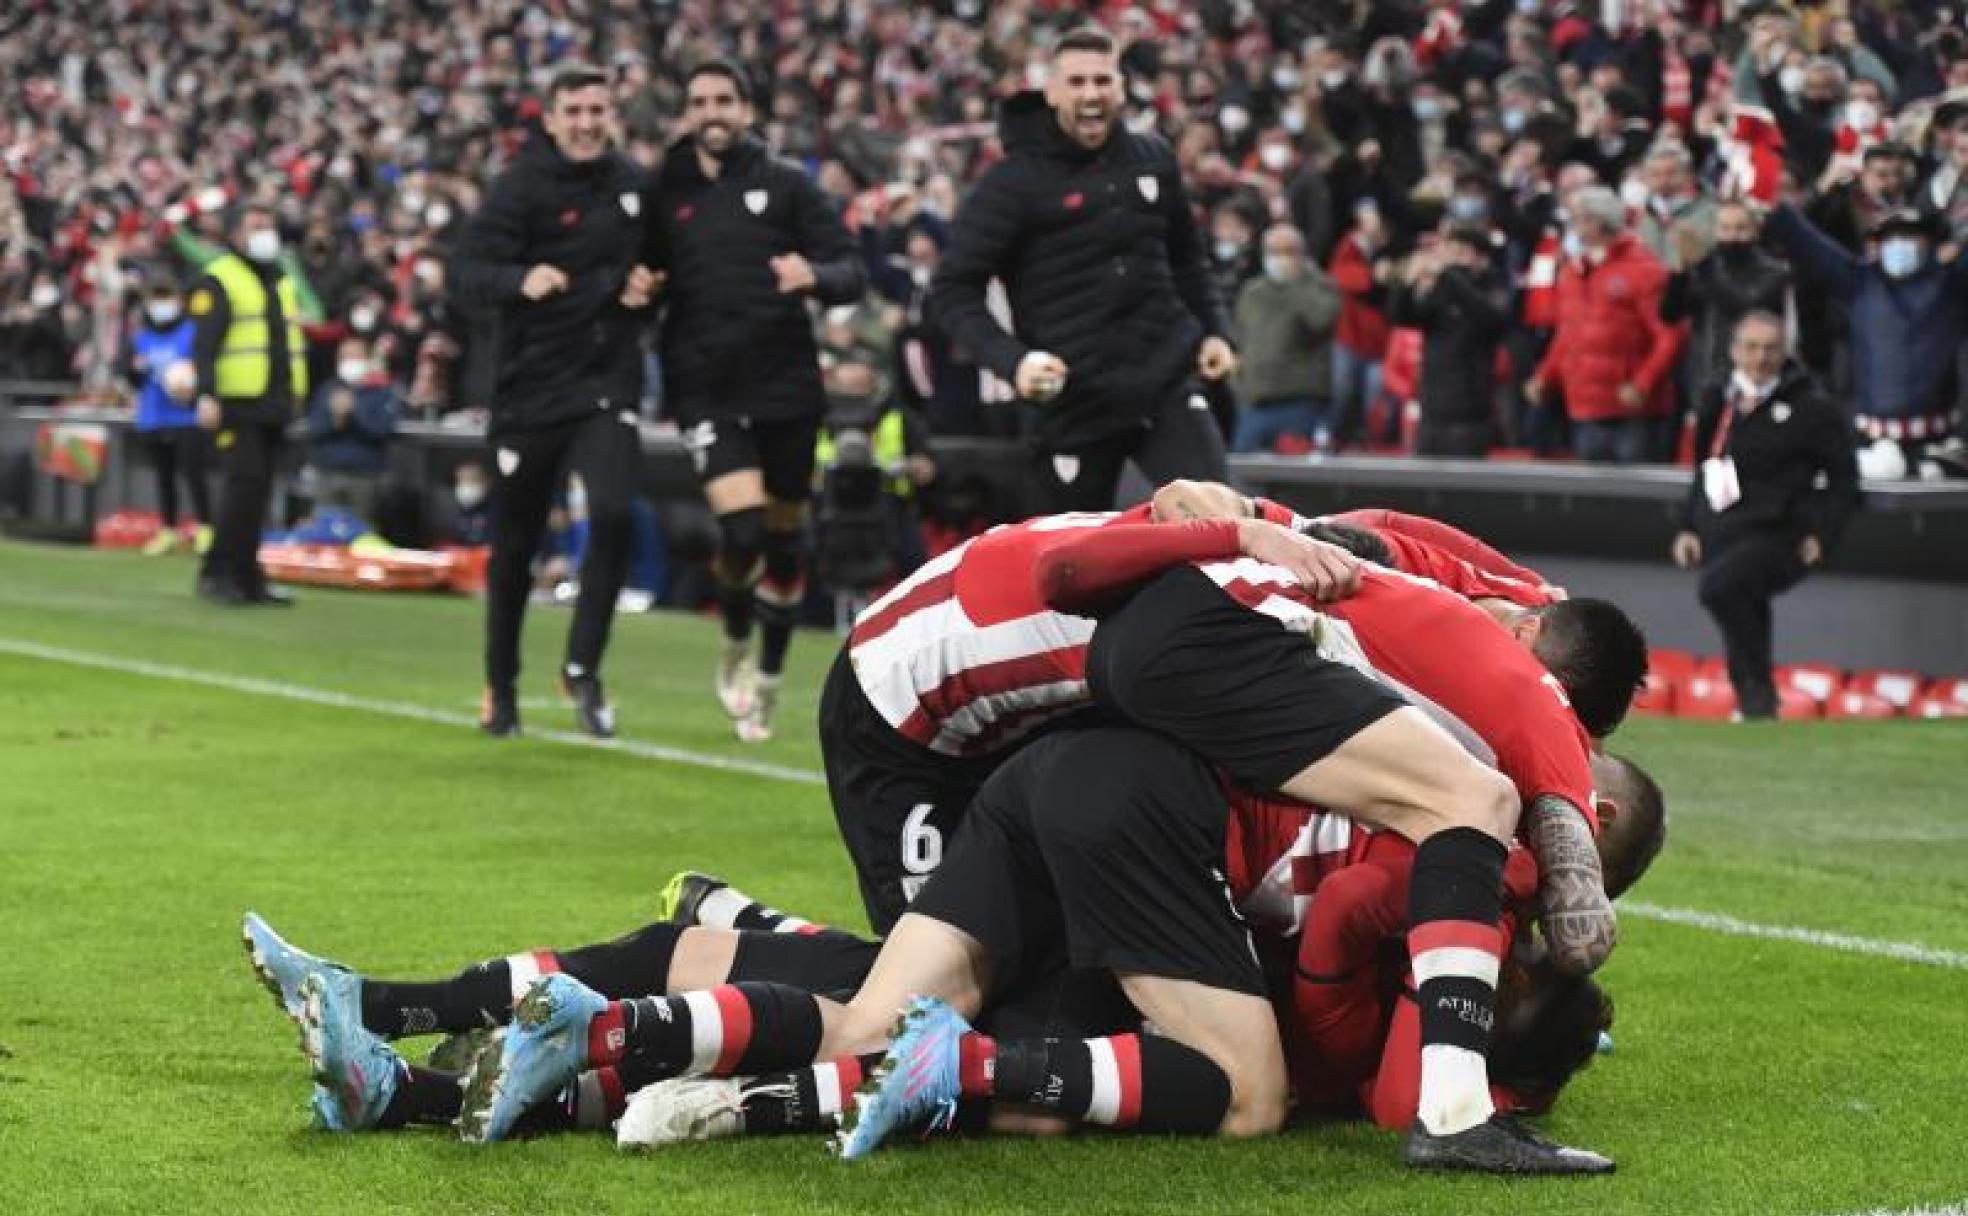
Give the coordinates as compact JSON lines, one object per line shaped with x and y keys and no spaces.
{"x":143,"y":1070}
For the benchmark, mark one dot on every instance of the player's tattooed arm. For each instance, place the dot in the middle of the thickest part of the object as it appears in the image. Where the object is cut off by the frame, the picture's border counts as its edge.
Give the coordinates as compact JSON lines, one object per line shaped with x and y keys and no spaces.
{"x":1185,"y":499}
{"x":1579,"y":925}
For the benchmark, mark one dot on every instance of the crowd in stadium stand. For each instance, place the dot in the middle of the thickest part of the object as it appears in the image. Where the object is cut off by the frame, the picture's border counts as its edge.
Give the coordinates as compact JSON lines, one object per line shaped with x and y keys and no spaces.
{"x":1513,"y":224}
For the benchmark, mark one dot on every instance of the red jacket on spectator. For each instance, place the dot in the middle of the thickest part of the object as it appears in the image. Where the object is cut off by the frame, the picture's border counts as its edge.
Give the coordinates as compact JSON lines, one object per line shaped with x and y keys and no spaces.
{"x":1362,"y":327}
{"x":1610,"y":333}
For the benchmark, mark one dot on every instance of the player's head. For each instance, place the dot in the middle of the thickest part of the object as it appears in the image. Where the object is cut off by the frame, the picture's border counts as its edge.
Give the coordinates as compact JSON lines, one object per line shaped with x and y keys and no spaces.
{"x":1357,"y":541}
{"x":1598,"y":654}
{"x":1632,"y":821}
{"x":580,"y":116}
{"x":717,"y":105}
{"x":1083,"y":86}
{"x":1547,"y":1028}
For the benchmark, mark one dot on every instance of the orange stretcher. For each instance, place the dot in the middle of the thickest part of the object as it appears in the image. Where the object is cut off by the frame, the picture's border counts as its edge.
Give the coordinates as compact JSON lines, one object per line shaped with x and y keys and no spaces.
{"x":457,"y":570}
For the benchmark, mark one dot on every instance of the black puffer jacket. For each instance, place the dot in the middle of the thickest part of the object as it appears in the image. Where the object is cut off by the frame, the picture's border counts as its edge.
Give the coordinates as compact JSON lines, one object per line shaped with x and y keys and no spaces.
{"x":1463,"y":319}
{"x":1717,"y":292}
{"x":733,"y":345}
{"x":542,"y":362}
{"x":1100,"y":255}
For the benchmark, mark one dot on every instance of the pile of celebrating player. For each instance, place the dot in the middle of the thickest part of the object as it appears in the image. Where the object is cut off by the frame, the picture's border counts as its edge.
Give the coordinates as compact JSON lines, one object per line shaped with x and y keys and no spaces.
{"x":1181,"y":819}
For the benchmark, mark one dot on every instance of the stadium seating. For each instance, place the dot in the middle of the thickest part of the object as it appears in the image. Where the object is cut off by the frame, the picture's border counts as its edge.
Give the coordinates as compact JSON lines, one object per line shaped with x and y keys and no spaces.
{"x":1853,"y":703}
{"x":1819,"y":681}
{"x":1796,"y":705}
{"x":1943,"y":699}
{"x":1897,"y":688}
{"x":1668,"y":673}
{"x":1707,"y":696}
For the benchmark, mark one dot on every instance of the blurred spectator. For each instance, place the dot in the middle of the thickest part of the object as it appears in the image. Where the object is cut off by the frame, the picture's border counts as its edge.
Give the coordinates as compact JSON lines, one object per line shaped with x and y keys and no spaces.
{"x":1906,"y":312}
{"x":462,"y":513}
{"x":1676,"y":204}
{"x":1453,"y":294}
{"x":34,"y":337}
{"x":1284,"y":323}
{"x":1360,"y":269}
{"x":349,"y":424}
{"x":1611,"y":356}
{"x":158,"y":364}
{"x":1714,"y":290}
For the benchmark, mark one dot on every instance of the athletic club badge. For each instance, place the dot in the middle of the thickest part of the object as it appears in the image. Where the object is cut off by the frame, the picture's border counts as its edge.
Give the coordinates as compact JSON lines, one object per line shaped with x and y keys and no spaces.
{"x":755,"y":200}
{"x":631,"y":204}
{"x":1151,"y":189}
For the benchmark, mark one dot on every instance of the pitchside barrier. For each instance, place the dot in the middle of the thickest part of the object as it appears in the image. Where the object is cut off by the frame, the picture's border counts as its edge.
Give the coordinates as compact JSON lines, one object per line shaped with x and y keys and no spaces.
{"x":1895,"y":594}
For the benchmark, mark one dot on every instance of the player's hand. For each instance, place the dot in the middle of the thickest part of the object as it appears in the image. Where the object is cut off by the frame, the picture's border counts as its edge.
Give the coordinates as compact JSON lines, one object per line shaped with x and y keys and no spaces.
{"x":1040,"y":376}
{"x":1687,"y":550}
{"x":209,"y":414}
{"x":795,"y":273}
{"x":641,"y":288}
{"x":542,"y":281}
{"x":1810,"y":550}
{"x":1631,"y":397}
{"x":919,"y":469}
{"x":1534,"y":391}
{"x":1327,"y":571}
{"x":1215,"y":359}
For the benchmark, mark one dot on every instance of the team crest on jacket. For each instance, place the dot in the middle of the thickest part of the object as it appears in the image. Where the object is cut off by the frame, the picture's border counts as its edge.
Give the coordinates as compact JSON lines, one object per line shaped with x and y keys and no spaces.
{"x":1151,"y":188}
{"x":755,"y":201}
{"x":631,"y":203}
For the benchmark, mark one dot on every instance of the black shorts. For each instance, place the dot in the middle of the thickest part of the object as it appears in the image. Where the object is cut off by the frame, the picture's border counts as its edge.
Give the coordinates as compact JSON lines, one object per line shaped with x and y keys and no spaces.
{"x":897,"y":802}
{"x":1253,"y":697}
{"x":781,"y":449}
{"x":829,"y":963}
{"x":1097,"y":849}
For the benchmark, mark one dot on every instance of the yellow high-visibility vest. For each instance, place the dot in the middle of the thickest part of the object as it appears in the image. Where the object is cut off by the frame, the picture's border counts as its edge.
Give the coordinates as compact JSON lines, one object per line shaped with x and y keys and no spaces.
{"x":244,"y":365}
{"x":886,"y":442}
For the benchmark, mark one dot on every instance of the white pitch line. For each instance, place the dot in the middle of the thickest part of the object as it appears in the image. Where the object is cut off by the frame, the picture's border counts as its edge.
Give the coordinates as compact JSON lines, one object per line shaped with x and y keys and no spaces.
{"x":1952,"y":1209}
{"x":397,"y":709}
{"x":1694,"y":918}
{"x":1714,"y":922}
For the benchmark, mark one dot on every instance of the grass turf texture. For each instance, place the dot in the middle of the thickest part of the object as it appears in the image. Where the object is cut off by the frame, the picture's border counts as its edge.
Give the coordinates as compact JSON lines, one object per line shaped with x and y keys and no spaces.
{"x":143,"y":1069}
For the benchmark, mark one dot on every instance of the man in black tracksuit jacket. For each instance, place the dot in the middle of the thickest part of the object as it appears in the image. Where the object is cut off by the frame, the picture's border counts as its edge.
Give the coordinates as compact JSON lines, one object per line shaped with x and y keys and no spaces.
{"x":549,"y":265}
{"x":1113,"y":309}
{"x":744,"y":239}
{"x":1462,"y":307}
{"x":1775,"y":481}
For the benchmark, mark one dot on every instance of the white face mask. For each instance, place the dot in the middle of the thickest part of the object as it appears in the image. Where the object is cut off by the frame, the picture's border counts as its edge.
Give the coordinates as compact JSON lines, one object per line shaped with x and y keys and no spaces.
{"x":1278,"y":267}
{"x":1293,"y":119}
{"x":263,"y":244}
{"x":1274,"y":157}
{"x":1634,"y":193}
{"x":1791,"y":80}
{"x":1900,"y":256}
{"x":44,"y":295}
{"x":362,"y":318}
{"x":437,"y":215}
{"x":352,"y":371}
{"x":163,"y":312}
{"x":470,"y":494}
{"x":1233,"y":119}
{"x":1861,"y":115}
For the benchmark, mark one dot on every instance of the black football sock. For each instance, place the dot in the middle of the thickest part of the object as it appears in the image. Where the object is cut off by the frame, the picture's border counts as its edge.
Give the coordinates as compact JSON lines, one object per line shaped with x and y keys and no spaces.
{"x":805,"y":1100}
{"x":423,"y":1098}
{"x":636,"y":964}
{"x":1454,"y":895}
{"x":731,"y":1030}
{"x":1142,"y":1082}
{"x":480,"y":995}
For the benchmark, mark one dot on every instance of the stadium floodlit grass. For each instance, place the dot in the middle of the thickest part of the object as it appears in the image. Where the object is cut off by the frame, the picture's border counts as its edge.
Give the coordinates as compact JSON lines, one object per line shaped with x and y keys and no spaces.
{"x":143,"y":1069}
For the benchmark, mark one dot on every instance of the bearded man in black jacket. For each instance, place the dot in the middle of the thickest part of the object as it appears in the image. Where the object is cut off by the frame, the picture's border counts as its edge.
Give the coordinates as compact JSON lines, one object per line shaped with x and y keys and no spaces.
{"x":745,"y":239}
{"x":549,"y":266}
{"x":1113,"y":309}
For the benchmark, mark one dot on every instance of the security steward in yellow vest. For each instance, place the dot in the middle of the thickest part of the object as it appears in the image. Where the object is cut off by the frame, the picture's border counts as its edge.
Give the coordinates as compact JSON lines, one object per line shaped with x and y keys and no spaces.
{"x":252,"y":378}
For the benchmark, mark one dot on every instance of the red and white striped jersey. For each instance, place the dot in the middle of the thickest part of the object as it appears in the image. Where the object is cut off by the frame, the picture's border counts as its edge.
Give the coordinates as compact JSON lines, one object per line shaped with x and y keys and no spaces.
{"x":964,"y":657}
{"x":1277,"y":852}
{"x":1446,"y":657}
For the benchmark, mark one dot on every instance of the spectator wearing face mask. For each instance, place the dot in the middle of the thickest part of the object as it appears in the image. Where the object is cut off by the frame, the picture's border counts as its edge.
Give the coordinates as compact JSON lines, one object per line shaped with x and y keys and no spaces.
{"x":1906,"y":310}
{"x":1361,"y":266}
{"x":1716,"y":289}
{"x":1453,"y":294}
{"x":464,"y":515}
{"x":349,"y":424}
{"x":1284,"y":320}
{"x":1611,"y":357}
{"x":252,"y":379}
{"x":157,"y":363}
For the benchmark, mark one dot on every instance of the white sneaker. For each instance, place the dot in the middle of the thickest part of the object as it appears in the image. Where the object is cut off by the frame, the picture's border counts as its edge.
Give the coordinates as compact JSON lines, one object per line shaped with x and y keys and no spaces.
{"x":756,"y":727}
{"x":737,"y":675}
{"x":681,"y":1110}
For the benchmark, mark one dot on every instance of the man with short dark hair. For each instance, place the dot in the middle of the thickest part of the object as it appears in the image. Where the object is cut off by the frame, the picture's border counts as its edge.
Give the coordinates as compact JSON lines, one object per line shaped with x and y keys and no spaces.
{"x":552,"y":260}
{"x":746,"y":239}
{"x":1757,"y":520}
{"x":1113,"y":310}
